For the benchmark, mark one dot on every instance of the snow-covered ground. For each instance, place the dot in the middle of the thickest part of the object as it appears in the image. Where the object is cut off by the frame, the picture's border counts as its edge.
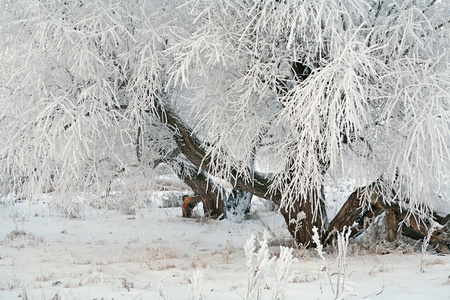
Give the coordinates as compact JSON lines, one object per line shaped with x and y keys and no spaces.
{"x":159,"y":255}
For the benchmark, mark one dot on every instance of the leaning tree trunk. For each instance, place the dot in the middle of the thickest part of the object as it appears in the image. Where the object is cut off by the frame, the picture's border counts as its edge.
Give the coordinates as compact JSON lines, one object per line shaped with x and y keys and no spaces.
{"x":354,"y":212}
{"x":299,"y":215}
{"x":213,"y":204}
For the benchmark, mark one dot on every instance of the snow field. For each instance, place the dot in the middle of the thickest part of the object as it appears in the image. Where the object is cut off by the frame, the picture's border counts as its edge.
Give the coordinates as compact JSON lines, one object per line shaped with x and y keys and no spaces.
{"x":159,"y":255}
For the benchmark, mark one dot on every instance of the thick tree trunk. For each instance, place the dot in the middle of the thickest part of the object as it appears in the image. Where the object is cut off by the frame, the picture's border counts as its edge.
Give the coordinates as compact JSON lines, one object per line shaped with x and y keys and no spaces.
{"x":213,"y":204}
{"x":391,"y":224}
{"x":301,"y":219}
{"x":302,"y":209}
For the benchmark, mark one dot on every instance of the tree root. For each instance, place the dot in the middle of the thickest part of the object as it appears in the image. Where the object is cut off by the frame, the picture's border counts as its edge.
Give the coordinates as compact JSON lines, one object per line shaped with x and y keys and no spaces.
{"x":397,"y":220}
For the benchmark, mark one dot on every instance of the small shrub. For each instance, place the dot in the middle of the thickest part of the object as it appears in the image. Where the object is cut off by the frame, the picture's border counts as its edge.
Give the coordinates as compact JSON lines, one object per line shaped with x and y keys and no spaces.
{"x":127,"y":284}
{"x":15,"y":234}
{"x":197,"y":262}
{"x":258,"y":265}
{"x":196,"y":285}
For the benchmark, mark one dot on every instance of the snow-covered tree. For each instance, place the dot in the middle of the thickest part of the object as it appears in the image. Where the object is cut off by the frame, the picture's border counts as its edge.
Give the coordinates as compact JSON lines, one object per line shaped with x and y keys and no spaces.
{"x":276,"y":97}
{"x":68,"y":69}
{"x":323,"y":88}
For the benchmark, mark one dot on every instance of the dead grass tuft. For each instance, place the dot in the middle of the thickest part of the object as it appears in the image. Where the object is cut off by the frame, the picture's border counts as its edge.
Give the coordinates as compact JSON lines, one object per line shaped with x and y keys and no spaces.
{"x":16,"y":233}
{"x":162,"y":253}
{"x":128,"y":285}
{"x":44,"y":278}
{"x":197,"y":262}
{"x":163,"y":267}
{"x":435,"y":261}
{"x":303,"y":279}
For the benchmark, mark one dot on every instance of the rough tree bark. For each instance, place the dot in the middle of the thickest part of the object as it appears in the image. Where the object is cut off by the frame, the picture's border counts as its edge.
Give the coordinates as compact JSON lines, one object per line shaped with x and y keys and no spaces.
{"x":413,"y":226}
{"x":301,"y":219}
{"x":353,"y":212}
{"x":213,"y":204}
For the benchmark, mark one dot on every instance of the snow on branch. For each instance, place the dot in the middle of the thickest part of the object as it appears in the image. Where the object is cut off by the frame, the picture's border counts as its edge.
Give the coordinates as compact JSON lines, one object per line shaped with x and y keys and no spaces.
{"x":298,"y":90}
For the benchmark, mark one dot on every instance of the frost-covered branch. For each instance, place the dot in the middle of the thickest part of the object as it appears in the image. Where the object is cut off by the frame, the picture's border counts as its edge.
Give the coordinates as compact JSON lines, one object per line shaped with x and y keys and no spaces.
{"x":298,"y":90}
{"x":375,"y":92}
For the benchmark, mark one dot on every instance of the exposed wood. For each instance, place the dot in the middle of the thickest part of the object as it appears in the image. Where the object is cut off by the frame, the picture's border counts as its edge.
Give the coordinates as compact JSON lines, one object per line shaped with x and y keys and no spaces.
{"x":391,"y":223}
{"x":188,"y":205}
{"x":301,"y":219}
{"x":348,"y":213}
{"x":440,"y":238}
